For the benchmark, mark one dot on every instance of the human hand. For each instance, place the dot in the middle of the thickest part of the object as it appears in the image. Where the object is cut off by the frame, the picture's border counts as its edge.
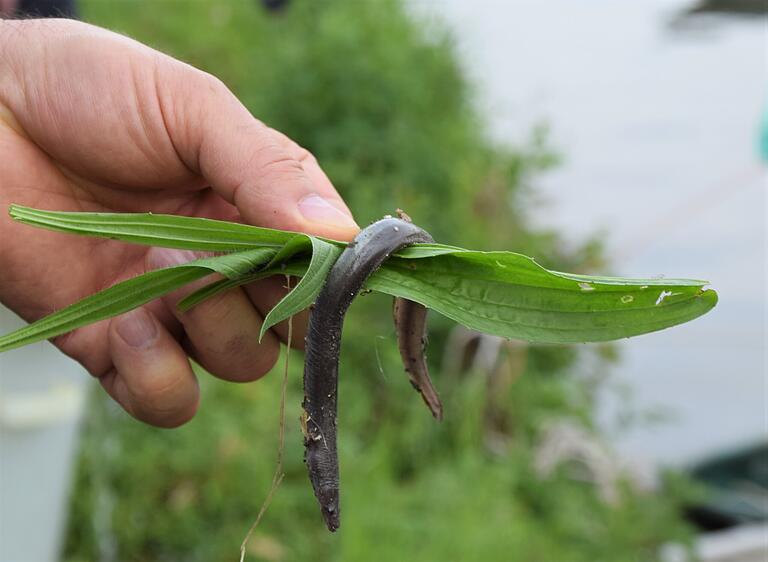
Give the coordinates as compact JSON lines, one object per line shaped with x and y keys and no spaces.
{"x":93,"y":121}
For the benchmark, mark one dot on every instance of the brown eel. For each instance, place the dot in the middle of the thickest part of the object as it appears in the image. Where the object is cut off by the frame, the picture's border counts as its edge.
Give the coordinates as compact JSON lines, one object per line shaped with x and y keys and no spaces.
{"x":362,"y":257}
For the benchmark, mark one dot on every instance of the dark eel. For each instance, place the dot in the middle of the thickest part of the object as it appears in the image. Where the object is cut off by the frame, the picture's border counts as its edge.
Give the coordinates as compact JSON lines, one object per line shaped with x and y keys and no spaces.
{"x":364,"y":255}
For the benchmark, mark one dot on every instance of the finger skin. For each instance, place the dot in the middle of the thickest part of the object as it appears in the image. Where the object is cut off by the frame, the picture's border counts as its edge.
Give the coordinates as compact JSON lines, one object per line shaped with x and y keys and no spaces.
{"x":221,"y":332}
{"x":267,"y":180}
{"x":262,"y":172}
{"x":151,"y":123}
{"x":265,"y":294}
{"x":152,"y":377}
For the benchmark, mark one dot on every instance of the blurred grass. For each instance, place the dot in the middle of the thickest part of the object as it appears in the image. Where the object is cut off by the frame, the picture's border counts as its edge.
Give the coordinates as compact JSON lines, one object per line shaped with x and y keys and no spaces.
{"x":381,"y":101}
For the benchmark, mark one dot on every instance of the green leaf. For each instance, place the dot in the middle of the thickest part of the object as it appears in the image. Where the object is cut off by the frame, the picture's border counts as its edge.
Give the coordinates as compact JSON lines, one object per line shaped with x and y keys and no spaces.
{"x":186,"y":233}
{"x":510,"y":295}
{"x":324,"y":255}
{"x":168,"y":231}
{"x":220,"y":286}
{"x":501,"y":293}
{"x":313,"y":275}
{"x":300,"y":243}
{"x":110,"y":302}
{"x":237,"y":264}
{"x":131,"y":294}
{"x":418,"y":251}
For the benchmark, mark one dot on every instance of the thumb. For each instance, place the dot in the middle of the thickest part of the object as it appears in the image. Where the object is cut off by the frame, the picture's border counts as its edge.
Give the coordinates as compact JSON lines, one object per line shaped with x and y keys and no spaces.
{"x":271,"y":180}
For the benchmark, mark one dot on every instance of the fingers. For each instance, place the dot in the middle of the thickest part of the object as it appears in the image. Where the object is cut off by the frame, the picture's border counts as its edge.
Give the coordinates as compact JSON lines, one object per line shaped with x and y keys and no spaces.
{"x":151,"y":375}
{"x":152,"y":378}
{"x":221,"y":332}
{"x":272,"y":181}
{"x":265,"y":295}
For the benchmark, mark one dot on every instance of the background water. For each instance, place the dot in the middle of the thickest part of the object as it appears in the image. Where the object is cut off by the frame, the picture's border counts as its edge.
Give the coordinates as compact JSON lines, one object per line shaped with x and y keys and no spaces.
{"x":658,"y":125}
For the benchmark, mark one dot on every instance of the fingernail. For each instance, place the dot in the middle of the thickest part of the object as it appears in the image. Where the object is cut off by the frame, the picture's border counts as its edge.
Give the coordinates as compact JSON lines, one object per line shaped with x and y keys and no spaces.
{"x":137,"y":328}
{"x":316,"y":209}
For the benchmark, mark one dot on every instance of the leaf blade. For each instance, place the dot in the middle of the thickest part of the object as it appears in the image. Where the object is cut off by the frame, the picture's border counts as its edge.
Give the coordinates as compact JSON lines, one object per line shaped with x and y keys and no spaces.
{"x":169,"y":231}
{"x":324,"y":255}
{"x":130,"y":294}
{"x":105,"y":304}
{"x":509,"y":295}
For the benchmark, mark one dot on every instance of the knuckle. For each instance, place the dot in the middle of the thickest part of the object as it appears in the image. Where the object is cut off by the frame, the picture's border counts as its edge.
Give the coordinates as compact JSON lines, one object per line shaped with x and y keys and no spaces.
{"x":212,"y":83}
{"x":274,"y":160}
{"x":239,"y":359}
{"x":215,"y":311}
{"x":284,"y":166}
{"x":304,"y":155}
{"x":160,"y":396}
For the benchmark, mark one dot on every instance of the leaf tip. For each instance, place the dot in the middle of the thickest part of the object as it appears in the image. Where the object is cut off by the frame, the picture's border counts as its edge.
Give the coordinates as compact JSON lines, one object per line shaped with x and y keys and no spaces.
{"x":19,"y":212}
{"x":264,"y":328}
{"x":709,"y":296}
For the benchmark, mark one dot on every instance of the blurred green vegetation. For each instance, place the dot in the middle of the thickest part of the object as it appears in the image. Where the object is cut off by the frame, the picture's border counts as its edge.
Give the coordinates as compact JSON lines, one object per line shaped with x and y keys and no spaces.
{"x":380,"y":99}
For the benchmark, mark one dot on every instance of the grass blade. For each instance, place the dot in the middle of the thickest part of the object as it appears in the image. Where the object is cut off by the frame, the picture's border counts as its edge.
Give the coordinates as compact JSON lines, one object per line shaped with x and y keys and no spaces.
{"x":168,"y":231}
{"x":185,"y":233}
{"x":324,"y":255}
{"x":131,"y":294}
{"x":220,"y":286}
{"x":110,"y":302}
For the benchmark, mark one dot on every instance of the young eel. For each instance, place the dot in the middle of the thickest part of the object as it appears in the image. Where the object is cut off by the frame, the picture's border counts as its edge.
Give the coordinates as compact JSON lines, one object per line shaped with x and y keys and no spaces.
{"x":411,"y":327}
{"x":363,"y":256}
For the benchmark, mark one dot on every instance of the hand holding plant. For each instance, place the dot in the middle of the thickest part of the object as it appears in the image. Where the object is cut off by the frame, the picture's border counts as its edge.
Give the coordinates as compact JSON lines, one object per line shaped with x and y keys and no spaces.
{"x":153,"y":139}
{"x":93,"y":121}
{"x":161,"y":137}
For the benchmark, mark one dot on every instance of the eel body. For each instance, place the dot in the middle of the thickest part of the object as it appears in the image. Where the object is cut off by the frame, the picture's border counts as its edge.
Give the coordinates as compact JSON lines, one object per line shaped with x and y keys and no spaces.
{"x":363,"y":256}
{"x":411,"y":327}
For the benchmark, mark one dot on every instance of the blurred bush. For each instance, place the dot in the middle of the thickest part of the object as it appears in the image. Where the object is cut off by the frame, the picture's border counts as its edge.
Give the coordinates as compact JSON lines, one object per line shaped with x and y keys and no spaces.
{"x":379,"y":97}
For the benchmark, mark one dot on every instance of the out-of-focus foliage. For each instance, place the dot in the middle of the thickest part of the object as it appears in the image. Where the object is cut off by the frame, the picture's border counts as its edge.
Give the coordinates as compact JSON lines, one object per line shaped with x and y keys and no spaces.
{"x":381,"y":101}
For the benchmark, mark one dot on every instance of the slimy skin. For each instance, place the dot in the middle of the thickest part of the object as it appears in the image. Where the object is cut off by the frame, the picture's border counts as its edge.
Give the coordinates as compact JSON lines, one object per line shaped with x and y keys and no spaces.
{"x":411,"y":327}
{"x":363,"y":256}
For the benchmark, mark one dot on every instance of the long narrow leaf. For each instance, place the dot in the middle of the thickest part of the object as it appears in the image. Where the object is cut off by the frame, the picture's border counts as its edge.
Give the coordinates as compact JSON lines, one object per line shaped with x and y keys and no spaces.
{"x":324,"y":255}
{"x":168,"y":231}
{"x":219,"y":286}
{"x":186,"y":233}
{"x":131,"y":294}
{"x":110,"y":302}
